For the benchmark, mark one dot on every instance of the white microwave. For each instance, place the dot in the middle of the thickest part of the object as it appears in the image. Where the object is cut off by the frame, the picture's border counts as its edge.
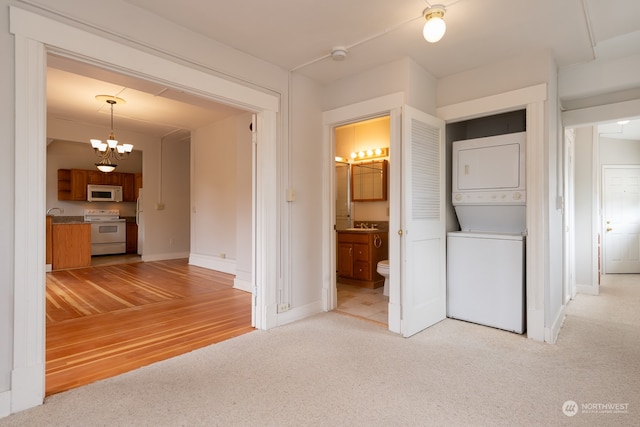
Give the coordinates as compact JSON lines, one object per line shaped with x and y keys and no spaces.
{"x":104,"y":193}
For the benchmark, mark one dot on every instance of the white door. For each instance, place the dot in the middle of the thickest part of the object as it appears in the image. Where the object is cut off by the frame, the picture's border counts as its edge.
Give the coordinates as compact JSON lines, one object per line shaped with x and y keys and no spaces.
{"x":621,"y":200}
{"x":423,"y":234}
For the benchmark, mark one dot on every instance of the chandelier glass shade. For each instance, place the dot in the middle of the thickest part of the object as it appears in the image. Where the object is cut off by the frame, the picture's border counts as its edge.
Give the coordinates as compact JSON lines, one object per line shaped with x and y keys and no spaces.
{"x":110,"y":150}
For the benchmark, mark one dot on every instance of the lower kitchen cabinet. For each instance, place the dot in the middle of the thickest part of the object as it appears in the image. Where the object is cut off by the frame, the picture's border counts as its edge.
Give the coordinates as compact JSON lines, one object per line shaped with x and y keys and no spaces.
{"x":70,"y":246}
{"x":358,"y":255}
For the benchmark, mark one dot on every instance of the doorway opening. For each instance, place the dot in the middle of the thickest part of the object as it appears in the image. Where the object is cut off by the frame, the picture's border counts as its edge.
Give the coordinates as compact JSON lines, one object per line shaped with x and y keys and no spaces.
{"x":362,"y":218}
{"x":118,"y":292}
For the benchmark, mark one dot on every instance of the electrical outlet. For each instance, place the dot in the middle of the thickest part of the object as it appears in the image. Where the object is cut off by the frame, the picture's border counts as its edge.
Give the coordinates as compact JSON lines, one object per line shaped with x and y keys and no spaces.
{"x":283,"y":307}
{"x":159,"y":206}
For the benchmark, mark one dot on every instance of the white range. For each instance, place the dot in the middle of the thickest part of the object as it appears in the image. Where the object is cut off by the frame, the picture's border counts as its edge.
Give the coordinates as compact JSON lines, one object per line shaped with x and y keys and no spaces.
{"x":108,"y":231}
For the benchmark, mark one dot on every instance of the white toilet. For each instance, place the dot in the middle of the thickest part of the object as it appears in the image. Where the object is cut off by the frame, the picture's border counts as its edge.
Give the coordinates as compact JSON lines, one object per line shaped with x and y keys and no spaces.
{"x":383,"y":270}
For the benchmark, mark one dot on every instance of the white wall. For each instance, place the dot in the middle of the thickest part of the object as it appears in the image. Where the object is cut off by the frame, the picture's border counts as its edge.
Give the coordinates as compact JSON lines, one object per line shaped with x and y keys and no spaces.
{"x":304,"y":243}
{"x":244,"y":180}
{"x":586,"y":240}
{"x":7,"y":193}
{"x":221,"y":195}
{"x":404,"y":75}
{"x":554,"y":308}
{"x":619,"y":151}
{"x":527,"y":69}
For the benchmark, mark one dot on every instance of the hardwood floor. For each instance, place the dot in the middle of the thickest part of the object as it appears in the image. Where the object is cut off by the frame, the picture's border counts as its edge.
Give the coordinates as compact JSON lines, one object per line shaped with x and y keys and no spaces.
{"x":107,"y":320}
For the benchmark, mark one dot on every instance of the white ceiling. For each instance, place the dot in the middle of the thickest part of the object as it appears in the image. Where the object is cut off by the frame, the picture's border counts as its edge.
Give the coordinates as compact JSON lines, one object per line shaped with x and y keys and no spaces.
{"x":300,"y":34}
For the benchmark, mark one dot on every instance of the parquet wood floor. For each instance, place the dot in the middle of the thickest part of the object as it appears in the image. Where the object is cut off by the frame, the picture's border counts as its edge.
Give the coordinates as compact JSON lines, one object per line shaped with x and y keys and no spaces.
{"x":104,"y":321}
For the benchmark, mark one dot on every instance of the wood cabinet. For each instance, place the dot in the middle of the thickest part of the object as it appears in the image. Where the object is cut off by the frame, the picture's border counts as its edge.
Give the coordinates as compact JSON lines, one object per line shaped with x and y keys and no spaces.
{"x":72,"y":183}
{"x":358,"y":255}
{"x":70,"y":245}
{"x":132,"y":238}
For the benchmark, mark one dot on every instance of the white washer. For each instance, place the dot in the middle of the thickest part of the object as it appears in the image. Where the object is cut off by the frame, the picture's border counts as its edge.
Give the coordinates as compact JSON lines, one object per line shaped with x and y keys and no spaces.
{"x":486,"y":283}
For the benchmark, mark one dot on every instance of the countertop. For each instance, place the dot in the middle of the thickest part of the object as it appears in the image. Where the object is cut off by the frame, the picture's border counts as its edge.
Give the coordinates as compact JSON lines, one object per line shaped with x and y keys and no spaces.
{"x":361,"y":230}
{"x":60,"y":219}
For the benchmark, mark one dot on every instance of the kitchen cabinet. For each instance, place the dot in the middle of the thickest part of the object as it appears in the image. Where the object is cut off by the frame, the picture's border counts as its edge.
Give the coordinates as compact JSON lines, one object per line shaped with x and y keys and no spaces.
{"x":132,"y":238}
{"x":358,"y":255}
{"x":70,"y":245}
{"x":128,"y":187}
{"x":72,"y":184}
{"x":95,"y":177}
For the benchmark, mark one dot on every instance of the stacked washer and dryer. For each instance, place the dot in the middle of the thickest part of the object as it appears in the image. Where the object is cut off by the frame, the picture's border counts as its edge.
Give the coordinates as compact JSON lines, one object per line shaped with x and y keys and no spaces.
{"x":486,"y":258}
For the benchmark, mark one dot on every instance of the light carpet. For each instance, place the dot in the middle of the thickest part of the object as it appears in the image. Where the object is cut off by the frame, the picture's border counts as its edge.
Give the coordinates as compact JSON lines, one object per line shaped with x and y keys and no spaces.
{"x":334,"y":370}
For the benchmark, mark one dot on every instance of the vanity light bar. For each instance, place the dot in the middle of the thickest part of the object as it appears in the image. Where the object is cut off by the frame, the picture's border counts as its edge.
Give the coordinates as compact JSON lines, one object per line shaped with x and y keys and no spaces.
{"x":371,"y":153}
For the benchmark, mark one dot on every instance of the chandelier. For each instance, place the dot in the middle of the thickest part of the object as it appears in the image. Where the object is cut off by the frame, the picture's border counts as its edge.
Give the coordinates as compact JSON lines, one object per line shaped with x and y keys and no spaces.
{"x":110,"y":149}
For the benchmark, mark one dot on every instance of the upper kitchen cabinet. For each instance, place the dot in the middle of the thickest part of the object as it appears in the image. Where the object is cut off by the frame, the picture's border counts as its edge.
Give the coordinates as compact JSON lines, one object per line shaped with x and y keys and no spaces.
{"x":128,"y":187}
{"x":72,"y":184}
{"x":95,"y":177}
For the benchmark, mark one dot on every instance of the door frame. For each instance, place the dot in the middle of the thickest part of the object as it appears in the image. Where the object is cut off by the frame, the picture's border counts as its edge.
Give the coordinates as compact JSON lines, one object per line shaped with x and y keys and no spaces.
{"x":384,"y":105}
{"x":35,"y":36}
{"x":569,"y":253}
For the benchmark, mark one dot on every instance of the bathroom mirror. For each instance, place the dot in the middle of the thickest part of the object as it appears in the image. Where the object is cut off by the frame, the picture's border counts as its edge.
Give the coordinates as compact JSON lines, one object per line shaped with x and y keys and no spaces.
{"x":369,"y":181}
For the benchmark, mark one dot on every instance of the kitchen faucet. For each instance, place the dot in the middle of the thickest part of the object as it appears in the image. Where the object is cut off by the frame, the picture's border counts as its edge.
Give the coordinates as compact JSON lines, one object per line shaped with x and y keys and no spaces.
{"x":50,"y":209}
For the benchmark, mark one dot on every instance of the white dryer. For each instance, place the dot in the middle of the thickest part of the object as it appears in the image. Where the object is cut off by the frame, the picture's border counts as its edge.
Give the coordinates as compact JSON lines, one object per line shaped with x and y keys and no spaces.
{"x":486,"y":259}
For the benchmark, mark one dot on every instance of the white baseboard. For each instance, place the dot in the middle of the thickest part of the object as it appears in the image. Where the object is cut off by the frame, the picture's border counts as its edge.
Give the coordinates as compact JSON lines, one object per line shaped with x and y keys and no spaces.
{"x":243,"y":285}
{"x":165,"y":256}
{"x":5,"y":404}
{"x":551,"y":334}
{"x":298,"y":313}
{"x":224,"y":265}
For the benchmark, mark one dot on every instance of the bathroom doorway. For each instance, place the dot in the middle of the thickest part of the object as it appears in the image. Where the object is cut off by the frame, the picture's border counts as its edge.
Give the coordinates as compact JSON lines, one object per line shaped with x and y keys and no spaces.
{"x":362,"y":217}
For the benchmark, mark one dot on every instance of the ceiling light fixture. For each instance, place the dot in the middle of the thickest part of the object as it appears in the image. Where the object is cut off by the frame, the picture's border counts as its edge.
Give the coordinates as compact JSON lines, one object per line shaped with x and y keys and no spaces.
{"x":435,"y":27}
{"x":110,"y":149}
{"x":623,"y":122}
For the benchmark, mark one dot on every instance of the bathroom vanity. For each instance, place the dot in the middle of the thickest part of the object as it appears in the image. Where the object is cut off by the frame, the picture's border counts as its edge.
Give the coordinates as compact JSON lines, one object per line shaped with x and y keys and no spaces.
{"x":359,"y":251}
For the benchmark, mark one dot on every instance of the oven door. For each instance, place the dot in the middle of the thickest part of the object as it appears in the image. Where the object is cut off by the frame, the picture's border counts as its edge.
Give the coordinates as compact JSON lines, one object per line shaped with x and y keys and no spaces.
{"x":108,"y":237}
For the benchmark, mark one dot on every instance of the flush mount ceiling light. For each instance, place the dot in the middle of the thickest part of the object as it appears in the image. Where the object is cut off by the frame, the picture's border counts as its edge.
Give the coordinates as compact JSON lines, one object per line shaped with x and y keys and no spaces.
{"x":110,"y":149}
{"x":339,"y":53}
{"x":435,"y":27}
